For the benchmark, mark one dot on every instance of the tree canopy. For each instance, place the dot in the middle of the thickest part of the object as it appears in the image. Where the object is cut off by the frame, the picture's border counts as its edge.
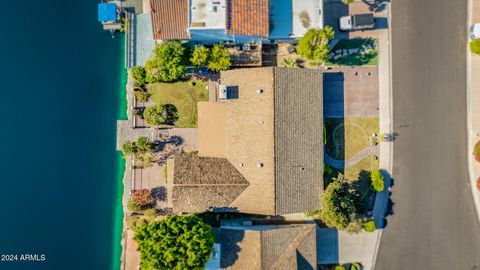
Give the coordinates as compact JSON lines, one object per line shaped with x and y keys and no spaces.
{"x":200,"y":56}
{"x":177,"y":242}
{"x":337,"y":203}
{"x":168,"y":62}
{"x":219,"y":58}
{"x":138,"y":74}
{"x":159,"y":114}
{"x":314,"y":44}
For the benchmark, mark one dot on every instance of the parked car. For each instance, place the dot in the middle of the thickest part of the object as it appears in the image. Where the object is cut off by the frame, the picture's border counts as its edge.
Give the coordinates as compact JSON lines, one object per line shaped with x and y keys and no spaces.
{"x":475,"y":31}
{"x":357,"y":22}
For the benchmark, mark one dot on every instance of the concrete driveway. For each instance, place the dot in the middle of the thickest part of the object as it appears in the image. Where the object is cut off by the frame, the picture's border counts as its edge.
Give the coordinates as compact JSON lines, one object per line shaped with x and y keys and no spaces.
{"x":350,"y":92}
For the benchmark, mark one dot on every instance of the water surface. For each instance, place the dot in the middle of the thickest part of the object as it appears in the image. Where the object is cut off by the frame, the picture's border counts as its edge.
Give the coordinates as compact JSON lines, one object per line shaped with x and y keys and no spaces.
{"x":59,"y":172}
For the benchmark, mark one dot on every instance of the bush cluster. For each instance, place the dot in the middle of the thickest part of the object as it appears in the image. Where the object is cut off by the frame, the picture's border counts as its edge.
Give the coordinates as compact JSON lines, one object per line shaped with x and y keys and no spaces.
{"x":377,"y":182}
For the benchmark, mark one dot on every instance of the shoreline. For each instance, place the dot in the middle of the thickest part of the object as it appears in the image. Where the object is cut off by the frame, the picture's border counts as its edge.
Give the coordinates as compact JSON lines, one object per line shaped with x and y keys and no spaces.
{"x":119,"y":217}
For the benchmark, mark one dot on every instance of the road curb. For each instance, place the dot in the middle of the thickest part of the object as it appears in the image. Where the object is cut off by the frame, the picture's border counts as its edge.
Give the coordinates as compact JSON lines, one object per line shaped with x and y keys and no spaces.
{"x":470,"y":131}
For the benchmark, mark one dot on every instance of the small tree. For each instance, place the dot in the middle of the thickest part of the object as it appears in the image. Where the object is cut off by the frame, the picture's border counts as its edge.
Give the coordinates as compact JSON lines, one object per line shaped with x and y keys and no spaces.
{"x":144,"y":144}
{"x":377,"y":181}
{"x":129,"y":148}
{"x":337,"y":204}
{"x":314,"y":44}
{"x":168,"y":62}
{"x":219,"y":58}
{"x":142,"y":197}
{"x":475,"y":46}
{"x":155,"y":115}
{"x":289,"y":62}
{"x":132,"y":206}
{"x":138,"y":74}
{"x":178,"y":242}
{"x":200,"y":56}
{"x":369,"y":226}
{"x":141,"y":96}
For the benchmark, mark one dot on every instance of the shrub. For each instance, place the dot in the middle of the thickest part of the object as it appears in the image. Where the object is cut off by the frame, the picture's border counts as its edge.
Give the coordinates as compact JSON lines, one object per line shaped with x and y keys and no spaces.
{"x":377,"y":182}
{"x":339,"y":267}
{"x":314,"y":44}
{"x":138,"y":74}
{"x":475,"y":46}
{"x":141,"y":96}
{"x":132,"y":206}
{"x":289,"y":62}
{"x":219,"y":58}
{"x":168,"y":62}
{"x":200,"y":56}
{"x":337,"y":204}
{"x":369,"y":226}
{"x":165,"y":172}
{"x":178,"y":242}
{"x":355,"y":266}
{"x":476,"y":151}
{"x":142,"y":197}
{"x":132,"y":221}
{"x":347,"y":2}
{"x":150,"y":214}
{"x":144,"y":144}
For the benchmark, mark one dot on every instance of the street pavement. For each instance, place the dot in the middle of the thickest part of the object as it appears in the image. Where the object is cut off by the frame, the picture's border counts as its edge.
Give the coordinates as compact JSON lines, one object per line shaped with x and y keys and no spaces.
{"x":433,"y":223}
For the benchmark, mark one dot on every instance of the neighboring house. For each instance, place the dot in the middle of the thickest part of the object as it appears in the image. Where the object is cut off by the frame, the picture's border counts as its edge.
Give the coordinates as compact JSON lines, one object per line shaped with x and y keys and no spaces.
{"x":263,"y":247}
{"x":260,"y":146}
{"x":235,"y":21}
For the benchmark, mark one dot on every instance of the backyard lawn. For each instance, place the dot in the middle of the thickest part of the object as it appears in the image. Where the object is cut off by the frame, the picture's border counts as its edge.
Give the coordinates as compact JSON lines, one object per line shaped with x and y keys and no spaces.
{"x":368,"y":58}
{"x":184,"y":95}
{"x":348,"y":136}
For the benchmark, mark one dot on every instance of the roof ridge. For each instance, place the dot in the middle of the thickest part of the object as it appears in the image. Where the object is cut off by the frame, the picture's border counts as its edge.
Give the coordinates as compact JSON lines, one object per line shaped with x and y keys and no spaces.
{"x":293,"y":244}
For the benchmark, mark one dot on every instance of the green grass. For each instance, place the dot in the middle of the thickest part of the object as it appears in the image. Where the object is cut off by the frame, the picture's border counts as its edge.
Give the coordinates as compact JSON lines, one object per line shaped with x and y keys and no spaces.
{"x":350,"y":134}
{"x":367,"y":165}
{"x":184,"y":96}
{"x":370,"y":59}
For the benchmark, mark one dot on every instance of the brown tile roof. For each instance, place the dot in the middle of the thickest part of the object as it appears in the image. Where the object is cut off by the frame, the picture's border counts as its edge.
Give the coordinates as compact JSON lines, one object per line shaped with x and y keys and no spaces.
{"x":298,"y":139}
{"x":169,"y":19}
{"x":248,"y":18}
{"x":280,"y":128}
{"x":269,"y":247}
{"x":196,"y":184}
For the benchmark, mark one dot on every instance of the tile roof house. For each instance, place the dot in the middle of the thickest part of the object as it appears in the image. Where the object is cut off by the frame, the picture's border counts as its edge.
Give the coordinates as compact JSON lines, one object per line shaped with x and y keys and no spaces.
{"x":169,"y":19}
{"x":235,"y":21}
{"x":260,"y":146}
{"x":268,"y":247}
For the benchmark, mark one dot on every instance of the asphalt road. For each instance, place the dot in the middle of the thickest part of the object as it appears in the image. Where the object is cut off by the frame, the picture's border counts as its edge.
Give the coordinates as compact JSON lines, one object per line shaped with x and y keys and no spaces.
{"x":434,"y":224}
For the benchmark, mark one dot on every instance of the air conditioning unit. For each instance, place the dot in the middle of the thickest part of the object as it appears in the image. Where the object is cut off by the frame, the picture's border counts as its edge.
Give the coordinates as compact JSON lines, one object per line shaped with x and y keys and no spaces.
{"x":222,"y":92}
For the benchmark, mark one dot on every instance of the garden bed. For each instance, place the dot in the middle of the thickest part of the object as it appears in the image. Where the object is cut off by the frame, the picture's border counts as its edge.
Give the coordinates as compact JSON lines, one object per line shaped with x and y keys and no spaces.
{"x":354,"y":52}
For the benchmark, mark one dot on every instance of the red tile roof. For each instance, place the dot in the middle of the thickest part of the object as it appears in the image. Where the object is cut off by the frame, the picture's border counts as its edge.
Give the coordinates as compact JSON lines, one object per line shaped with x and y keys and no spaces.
{"x":248,"y":18}
{"x":170,"y":19}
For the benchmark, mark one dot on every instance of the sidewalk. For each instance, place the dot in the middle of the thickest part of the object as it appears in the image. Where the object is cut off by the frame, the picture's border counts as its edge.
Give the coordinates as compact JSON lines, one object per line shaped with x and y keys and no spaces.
{"x":342,"y":247}
{"x":473,"y":103}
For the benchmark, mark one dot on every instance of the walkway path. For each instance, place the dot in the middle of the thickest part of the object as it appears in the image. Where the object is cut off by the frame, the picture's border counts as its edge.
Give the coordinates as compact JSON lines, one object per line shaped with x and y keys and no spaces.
{"x":341,"y":164}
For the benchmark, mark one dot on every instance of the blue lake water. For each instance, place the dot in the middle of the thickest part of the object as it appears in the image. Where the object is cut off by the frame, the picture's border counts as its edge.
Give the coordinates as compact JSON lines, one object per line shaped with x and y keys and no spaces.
{"x":61,"y":94}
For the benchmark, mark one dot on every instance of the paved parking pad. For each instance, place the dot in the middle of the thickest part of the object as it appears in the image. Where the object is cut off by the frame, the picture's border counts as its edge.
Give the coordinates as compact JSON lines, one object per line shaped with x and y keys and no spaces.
{"x":350,"y":92}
